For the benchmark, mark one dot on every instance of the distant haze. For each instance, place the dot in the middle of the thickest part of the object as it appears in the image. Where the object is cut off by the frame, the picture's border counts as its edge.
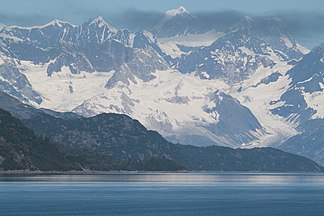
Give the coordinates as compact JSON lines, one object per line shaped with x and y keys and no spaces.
{"x":304,"y":19}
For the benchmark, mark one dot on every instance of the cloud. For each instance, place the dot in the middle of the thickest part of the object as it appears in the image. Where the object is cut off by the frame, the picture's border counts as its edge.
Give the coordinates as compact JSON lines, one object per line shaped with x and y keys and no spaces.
{"x":220,"y":20}
{"x":306,"y":27}
{"x":24,"y":20}
{"x":136,"y":19}
{"x":303,"y":22}
{"x":296,"y":22}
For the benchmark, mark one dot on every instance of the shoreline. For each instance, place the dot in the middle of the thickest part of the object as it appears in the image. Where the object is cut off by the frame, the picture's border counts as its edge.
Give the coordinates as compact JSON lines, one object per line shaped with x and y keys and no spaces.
{"x":118,"y":172}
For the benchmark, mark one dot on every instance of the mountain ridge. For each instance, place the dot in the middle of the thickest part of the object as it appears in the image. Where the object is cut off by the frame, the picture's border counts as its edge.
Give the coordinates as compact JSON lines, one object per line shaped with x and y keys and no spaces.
{"x":95,"y":135}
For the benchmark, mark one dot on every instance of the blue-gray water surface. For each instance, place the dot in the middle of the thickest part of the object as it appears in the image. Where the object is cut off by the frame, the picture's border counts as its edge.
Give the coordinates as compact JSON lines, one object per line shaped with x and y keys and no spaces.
{"x":157,"y":194}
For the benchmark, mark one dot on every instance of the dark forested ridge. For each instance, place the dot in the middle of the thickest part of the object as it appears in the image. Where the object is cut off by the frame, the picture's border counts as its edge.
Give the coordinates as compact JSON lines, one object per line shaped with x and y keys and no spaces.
{"x":65,"y":141}
{"x":126,"y":139}
{"x":21,"y":149}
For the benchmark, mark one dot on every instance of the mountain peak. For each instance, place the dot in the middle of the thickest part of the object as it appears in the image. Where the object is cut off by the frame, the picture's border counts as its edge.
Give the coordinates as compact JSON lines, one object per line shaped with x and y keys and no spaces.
{"x":178,"y":22}
{"x":56,"y":22}
{"x":97,"y":20}
{"x":174,"y":12}
{"x":100,"y":22}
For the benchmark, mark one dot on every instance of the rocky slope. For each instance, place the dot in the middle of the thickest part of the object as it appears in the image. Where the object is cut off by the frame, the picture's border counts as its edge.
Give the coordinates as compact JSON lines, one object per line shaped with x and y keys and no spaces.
{"x":309,"y":143}
{"x":304,"y":99}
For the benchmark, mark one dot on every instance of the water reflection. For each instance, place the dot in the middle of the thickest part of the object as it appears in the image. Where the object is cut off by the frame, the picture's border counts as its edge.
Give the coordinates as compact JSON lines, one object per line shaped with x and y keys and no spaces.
{"x":177,"y":178}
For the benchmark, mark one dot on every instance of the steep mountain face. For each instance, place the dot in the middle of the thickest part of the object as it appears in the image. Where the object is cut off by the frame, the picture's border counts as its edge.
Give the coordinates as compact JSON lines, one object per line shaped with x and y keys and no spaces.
{"x":304,"y":99}
{"x":145,"y":62}
{"x":15,"y":107}
{"x":92,"y":46}
{"x":128,"y":140}
{"x":284,"y":101}
{"x":21,"y":149}
{"x":237,"y":55}
{"x":310,"y":143}
{"x":13,"y":81}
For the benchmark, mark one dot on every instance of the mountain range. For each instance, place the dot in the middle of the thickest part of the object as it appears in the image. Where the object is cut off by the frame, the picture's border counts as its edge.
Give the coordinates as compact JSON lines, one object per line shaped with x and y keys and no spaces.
{"x":252,"y":85}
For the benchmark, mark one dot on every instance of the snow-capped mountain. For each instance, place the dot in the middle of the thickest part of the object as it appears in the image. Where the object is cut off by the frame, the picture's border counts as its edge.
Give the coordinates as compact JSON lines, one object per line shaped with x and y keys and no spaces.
{"x":179,"y":32}
{"x":228,"y":89}
{"x":178,"y":22}
{"x":92,"y":46}
{"x":304,"y":99}
{"x":251,"y":44}
{"x":13,"y":81}
{"x":283,"y":101}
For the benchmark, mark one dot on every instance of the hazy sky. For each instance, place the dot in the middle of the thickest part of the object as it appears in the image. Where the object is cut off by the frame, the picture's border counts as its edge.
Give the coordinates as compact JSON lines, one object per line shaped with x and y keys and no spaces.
{"x":305,"y":17}
{"x":78,"y":10}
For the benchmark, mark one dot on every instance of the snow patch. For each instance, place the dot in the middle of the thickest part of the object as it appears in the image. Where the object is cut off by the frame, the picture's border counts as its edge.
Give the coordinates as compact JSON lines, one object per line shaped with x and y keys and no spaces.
{"x":194,"y":40}
{"x":56,"y":90}
{"x":247,"y":51}
{"x":302,"y":49}
{"x":315,"y":101}
{"x":287,"y":41}
{"x":174,"y":12}
{"x":171,"y":49}
{"x":170,"y":45}
{"x":258,"y":99}
{"x":15,"y":39}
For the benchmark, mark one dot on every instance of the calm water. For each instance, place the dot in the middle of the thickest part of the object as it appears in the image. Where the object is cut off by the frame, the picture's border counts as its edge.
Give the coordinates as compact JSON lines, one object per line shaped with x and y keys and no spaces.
{"x":164,"y":194}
